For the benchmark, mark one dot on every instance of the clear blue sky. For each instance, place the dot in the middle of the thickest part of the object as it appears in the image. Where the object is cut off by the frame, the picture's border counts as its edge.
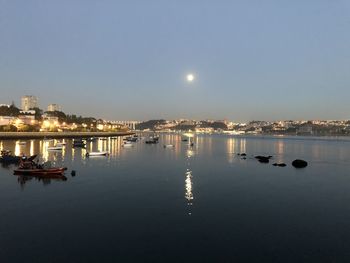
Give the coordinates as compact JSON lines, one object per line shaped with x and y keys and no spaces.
{"x":128,"y":59}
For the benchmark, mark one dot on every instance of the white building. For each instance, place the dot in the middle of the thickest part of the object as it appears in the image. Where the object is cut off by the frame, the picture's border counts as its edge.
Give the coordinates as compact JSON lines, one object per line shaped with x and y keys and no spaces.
{"x":29,"y":102}
{"x":54,"y":107}
{"x":6,"y":120}
{"x":26,"y":119}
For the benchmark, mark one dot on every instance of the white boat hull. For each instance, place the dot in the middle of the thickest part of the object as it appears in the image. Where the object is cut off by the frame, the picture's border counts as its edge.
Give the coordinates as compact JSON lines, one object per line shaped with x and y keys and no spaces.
{"x":97,"y":154}
{"x":57,"y":148}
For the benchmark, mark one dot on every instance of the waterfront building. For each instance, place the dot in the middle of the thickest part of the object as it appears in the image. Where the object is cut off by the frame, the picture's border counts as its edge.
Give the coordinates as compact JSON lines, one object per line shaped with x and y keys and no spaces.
{"x":28,"y":102}
{"x":27,"y":112}
{"x":305,"y":130}
{"x":26,"y":119}
{"x":54,"y":107}
{"x":49,"y":122}
{"x":6,"y":120}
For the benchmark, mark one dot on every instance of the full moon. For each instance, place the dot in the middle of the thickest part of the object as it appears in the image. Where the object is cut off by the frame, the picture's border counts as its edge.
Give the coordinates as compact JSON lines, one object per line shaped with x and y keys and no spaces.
{"x":190,"y":77}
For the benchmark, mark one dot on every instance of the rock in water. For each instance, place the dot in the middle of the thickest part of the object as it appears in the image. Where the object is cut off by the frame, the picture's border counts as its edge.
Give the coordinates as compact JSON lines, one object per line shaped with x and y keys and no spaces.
{"x":263,"y":159}
{"x":299,"y":163}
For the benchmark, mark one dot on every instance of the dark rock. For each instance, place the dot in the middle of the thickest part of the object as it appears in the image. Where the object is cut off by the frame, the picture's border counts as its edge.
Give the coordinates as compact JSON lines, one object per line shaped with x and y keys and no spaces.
{"x":263,"y":159}
{"x":299,"y":163}
{"x":243,"y":154}
{"x":73,"y":173}
{"x":244,"y":158}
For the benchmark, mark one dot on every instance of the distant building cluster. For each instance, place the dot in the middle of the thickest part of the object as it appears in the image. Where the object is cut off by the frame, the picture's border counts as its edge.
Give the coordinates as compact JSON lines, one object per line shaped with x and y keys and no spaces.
{"x":29,"y":117}
{"x":289,"y":127}
{"x":54,"y":119}
{"x":29,"y":102}
{"x":54,"y":107}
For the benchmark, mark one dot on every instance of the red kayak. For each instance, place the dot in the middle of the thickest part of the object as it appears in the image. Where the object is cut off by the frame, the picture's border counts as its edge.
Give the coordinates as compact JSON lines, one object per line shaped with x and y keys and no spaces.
{"x":40,"y":172}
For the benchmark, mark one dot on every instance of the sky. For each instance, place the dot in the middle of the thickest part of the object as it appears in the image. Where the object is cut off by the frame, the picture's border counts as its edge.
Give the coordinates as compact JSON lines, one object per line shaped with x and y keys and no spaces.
{"x":128,"y":60}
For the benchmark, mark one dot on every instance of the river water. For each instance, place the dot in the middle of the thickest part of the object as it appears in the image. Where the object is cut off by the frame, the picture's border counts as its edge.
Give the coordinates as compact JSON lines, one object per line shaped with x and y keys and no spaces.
{"x":203,"y":203}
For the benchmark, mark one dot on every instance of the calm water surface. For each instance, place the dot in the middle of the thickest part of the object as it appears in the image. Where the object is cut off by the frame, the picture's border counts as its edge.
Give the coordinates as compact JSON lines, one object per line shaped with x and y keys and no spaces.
{"x":200,"y":204}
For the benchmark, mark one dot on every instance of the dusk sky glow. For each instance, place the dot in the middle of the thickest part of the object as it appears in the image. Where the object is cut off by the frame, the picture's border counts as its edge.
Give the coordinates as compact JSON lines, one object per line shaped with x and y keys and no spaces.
{"x":131,"y":59}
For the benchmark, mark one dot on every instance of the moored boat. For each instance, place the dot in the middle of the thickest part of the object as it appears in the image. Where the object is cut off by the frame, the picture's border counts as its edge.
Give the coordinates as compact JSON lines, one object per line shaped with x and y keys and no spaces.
{"x":30,"y":168}
{"x":130,"y":139}
{"x":8,"y":157}
{"x":40,"y":172}
{"x":55,"y":148}
{"x":151,"y":141}
{"x":127,"y":144}
{"x":102,"y":153}
{"x":78,"y":143}
{"x":92,"y":139}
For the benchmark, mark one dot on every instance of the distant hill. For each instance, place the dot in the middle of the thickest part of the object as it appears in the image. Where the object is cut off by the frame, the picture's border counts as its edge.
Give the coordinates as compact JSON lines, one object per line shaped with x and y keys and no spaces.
{"x":215,"y":125}
{"x":149,"y":124}
{"x":186,"y":125}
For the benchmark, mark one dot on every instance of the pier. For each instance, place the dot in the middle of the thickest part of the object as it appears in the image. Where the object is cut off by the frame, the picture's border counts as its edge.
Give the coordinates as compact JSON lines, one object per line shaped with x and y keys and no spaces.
{"x":59,"y":135}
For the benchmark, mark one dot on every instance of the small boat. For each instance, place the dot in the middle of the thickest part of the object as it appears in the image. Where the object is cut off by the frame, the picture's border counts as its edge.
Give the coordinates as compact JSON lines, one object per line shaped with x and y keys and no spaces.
{"x":102,"y":153}
{"x":39,"y":172}
{"x":169,"y":145}
{"x":103,"y":139}
{"x":30,"y":168}
{"x":55,"y":148}
{"x":127,"y":144}
{"x":60,"y":144}
{"x":152,"y":141}
{"x":130,"y":139}
{"x":184,"y":140}
{"x":79,"y":143}
{"x":7,"y":157}
{"x":22,"y":143}
{"x":155,"y":138}
{"x":92,"y":139}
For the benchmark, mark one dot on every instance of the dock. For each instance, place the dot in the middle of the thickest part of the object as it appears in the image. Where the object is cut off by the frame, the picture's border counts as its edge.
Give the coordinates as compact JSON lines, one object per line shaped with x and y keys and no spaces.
{"x":59,"y":135}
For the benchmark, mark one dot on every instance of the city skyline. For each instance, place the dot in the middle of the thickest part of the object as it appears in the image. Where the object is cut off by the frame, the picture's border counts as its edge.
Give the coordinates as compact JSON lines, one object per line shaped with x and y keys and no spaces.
{"x":130,"y":60}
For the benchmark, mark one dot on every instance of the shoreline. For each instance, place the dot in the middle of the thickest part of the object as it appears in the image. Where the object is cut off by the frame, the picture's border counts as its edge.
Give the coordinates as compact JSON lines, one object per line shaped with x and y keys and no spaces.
{"x":58,"y":135}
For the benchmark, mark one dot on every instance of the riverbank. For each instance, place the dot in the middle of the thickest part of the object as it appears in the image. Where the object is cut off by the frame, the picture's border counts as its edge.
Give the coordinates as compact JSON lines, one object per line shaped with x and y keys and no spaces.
{"x":59,"y":135}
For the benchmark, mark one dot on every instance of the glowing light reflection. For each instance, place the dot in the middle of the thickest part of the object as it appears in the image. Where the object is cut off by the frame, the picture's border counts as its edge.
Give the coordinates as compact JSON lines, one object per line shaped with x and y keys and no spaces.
{"x":17,"y":149}
{"x":31,"y":149}
{"x":188,"y":187}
